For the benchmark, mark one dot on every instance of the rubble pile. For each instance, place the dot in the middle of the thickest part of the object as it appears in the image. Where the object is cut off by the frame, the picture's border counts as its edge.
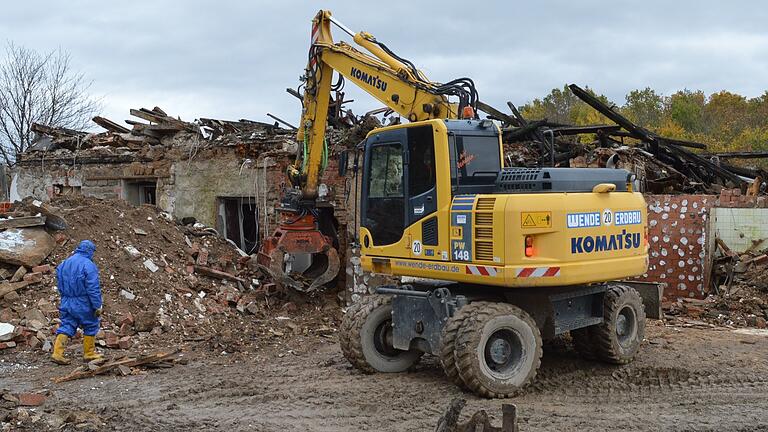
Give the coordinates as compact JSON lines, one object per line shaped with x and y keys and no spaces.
{"x":158,"y":130}
{"x":28,"y":412}
{"x":163,"y":283}
{"x":740,"y":286}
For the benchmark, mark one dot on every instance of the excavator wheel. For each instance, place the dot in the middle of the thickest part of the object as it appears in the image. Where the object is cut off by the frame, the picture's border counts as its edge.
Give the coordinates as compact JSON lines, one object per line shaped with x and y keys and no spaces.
{"x":617,"y":340}
{"x":584,"y":343}
{"x":366,"y":338}
{"x":344,"y":342}
{"x":448,"y":341}
{"x":498,"y":350}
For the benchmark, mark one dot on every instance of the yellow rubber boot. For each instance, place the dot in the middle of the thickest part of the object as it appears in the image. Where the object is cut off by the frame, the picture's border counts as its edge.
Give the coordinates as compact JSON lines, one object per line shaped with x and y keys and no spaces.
{"x":59,"y":345}
{"x":89,"y":349}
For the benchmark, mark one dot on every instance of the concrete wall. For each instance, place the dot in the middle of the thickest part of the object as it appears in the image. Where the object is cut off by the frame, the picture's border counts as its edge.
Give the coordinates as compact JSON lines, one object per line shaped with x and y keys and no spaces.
{"x":195,"y":185}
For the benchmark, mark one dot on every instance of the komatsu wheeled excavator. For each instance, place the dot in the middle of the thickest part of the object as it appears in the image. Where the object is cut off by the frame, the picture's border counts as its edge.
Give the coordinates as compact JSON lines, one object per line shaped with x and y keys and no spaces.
{"x":498,"y":258}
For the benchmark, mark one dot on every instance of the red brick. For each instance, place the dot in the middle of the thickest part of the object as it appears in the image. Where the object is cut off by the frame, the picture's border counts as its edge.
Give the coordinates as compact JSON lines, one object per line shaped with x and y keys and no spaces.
{"x":126,"y":329}
{"x":33,"y":277}
{"x":31,"y":399}
{"x":125,"y":342}
{"x":10,"y":344}
{"x":45,"y":268}
{"x":111,"y":339}
{"x":127,"y":319}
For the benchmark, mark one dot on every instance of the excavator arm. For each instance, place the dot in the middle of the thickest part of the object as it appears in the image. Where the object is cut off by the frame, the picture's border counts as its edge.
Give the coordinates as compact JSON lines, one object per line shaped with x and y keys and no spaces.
{"x":300,"y":253}
{"x":392,"y":80}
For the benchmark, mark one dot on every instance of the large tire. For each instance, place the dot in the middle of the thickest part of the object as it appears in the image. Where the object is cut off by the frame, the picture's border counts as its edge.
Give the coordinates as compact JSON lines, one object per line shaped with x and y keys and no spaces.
{"x":584,"y":343}
{"x":448,"y":341}
{"x":345,"y":329}
{"x":618,"y":338}
{"x":365,"y":337}
{"x":498,"y":350}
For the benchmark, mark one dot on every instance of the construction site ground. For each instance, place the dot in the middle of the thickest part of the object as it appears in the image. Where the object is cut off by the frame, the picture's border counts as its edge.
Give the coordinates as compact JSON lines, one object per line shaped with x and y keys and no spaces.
{"x":685,"y":378}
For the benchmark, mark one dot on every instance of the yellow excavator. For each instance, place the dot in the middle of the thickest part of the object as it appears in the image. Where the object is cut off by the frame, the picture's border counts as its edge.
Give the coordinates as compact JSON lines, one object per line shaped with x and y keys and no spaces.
{"x":497,"y":258}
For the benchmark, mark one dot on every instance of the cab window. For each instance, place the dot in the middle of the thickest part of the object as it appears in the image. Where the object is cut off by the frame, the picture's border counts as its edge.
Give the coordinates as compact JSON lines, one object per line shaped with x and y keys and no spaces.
{"x":385,"y":216}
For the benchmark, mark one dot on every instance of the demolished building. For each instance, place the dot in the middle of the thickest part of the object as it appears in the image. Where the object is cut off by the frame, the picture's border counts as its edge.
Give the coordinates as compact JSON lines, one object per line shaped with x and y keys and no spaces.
{"x":224,"y":174}
{"x":229,"y":175}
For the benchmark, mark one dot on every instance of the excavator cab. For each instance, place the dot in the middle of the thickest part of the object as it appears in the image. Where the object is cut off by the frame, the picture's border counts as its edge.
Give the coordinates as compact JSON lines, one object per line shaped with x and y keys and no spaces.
{"x":411,"y":171}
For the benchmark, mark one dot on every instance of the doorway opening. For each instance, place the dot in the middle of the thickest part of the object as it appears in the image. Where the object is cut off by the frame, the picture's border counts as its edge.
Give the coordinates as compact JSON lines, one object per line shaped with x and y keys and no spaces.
{"x":238,"y":220}
{"x":141,"y":192}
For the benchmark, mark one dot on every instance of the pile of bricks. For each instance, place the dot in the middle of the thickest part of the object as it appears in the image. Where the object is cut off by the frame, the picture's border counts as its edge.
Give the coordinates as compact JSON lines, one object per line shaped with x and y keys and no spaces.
{"x":734,"y":198}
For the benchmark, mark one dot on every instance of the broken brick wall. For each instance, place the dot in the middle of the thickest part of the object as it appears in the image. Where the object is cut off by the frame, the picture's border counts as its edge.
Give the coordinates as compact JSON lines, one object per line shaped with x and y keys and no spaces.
{"x":679,"y":243}
{"x":44,"y":179}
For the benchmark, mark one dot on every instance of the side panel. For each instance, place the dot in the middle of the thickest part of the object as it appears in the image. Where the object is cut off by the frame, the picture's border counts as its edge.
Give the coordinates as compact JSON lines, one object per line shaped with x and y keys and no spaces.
{"x":577,"y":239}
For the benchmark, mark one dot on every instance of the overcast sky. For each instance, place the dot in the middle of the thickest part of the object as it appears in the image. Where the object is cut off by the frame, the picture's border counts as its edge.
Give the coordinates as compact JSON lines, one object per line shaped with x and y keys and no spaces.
{"x":234,"y":59}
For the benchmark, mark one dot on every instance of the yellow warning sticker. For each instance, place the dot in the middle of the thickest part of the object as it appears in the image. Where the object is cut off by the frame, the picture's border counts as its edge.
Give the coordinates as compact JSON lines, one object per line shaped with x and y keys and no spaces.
{"x":536,"y":220}
{"x":457,"y":232}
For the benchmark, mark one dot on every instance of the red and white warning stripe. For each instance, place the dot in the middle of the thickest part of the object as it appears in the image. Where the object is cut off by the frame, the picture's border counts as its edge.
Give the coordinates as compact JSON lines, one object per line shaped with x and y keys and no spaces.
{"x":313,"y":39}
{"x":481,"y":270}
{"x":538,"y":272}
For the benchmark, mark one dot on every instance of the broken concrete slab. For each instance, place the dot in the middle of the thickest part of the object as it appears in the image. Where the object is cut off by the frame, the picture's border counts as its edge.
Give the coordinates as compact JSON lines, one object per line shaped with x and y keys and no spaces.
{"x":6,"y":331}
{"x":132,"y":252}
{"x":22,"y":222}
{"x":151,"y":266}
{"x":25,"y":246}
{"x":127,"y":294}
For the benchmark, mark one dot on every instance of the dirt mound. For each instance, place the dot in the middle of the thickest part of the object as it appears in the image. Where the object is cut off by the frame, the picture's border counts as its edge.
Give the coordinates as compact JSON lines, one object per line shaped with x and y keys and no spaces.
{"x":164,"y":283}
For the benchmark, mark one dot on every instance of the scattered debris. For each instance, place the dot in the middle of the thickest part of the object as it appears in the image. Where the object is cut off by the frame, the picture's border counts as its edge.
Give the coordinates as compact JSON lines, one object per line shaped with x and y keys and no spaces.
{"x":480,"y":421}
{"x":151,"y":266}
{"x":128,"y":362}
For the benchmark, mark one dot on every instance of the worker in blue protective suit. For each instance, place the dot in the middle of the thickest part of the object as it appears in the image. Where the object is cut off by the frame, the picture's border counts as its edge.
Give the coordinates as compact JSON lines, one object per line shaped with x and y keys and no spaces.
{"x":78,"y":284}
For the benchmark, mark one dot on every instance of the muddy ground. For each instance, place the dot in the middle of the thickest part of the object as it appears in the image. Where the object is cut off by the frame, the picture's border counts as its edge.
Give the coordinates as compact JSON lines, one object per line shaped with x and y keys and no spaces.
{"x":684,"y":379}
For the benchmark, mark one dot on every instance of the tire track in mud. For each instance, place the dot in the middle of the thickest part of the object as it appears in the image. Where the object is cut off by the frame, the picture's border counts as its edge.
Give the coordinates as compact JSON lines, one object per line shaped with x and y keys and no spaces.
{"x":637,"y":381}
{"x":679,"y":389}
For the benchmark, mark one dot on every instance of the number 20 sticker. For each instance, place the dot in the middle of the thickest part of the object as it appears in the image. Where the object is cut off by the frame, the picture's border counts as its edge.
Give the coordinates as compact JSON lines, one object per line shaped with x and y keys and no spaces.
{"x":607,"y":217}
{"x":416,"y":247}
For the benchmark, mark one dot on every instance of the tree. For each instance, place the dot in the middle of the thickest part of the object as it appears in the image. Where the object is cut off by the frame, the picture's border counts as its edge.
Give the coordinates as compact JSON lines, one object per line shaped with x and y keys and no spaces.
{"x":644,"y":107}
{"x":686,"y":108}
{"x":39,"y":88}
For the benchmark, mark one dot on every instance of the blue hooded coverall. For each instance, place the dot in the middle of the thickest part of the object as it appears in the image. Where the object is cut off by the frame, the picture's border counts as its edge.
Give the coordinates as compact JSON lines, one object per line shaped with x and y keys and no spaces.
{"x":78,"y":284}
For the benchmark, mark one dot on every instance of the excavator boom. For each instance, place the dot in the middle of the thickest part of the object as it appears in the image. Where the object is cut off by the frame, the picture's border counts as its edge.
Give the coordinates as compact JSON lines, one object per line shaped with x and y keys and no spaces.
{"x":393,"y":81}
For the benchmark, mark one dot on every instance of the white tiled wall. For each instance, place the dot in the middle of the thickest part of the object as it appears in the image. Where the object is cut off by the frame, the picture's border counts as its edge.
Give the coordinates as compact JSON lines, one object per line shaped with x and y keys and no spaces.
{"x":738,"y":227}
